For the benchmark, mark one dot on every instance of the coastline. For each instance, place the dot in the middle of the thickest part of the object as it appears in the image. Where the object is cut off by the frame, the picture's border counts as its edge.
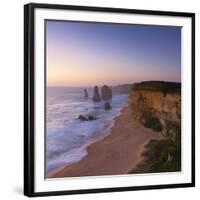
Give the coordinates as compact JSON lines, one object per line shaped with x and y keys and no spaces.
{"x":118,"y":153}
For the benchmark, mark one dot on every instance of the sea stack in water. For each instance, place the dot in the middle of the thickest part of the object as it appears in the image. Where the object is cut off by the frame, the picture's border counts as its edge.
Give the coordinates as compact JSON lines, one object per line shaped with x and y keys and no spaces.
{"x":88,"y":118}
{"x":107,"y":106}
{"x":96,"y":96}
{"x":106,"y":93}
{"x":82,"y":118}
{"x":85,"y":93}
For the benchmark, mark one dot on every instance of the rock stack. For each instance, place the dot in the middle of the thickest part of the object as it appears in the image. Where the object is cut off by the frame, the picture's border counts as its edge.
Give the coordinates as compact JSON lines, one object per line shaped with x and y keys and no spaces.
{"x":85,"y":93}
{"x":107,"y":106}
{"x":106,"y":93}
{"x":86,"y":118}
{"x":96,"y":96}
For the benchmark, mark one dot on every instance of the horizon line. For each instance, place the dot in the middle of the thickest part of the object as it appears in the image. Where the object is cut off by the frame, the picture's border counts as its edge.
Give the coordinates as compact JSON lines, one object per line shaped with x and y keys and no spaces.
{"x":100,"y":85}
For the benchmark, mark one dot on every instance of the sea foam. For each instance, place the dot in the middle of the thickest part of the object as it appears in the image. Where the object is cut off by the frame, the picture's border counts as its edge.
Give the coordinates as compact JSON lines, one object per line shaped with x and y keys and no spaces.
{"x":66,"y":136}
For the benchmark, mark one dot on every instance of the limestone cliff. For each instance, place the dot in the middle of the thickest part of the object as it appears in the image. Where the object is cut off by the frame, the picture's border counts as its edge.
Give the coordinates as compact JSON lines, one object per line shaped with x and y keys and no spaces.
{"x":157,"y":105}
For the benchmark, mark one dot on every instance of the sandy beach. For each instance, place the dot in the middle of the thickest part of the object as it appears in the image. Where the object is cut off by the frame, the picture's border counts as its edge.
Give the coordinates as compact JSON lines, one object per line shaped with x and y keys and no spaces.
{"x":118,"y":153}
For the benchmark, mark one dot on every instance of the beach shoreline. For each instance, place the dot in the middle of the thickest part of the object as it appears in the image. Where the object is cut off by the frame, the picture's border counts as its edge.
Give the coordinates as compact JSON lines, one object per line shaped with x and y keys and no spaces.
{"x":116,"y":154}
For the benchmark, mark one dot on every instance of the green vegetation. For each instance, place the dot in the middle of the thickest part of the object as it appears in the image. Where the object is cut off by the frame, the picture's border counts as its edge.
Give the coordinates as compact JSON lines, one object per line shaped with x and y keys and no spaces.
{"x":152,"y":122}
{"x":162,"y":156}
{"x":171,"y":129}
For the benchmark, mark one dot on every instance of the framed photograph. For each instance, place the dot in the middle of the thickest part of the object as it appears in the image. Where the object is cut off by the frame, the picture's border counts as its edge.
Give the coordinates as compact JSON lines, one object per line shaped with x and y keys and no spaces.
{"x":108,"y":99}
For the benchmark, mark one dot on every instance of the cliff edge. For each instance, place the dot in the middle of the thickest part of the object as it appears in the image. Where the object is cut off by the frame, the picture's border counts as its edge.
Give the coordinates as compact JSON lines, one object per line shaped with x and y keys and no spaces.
{"x":157,"y":105}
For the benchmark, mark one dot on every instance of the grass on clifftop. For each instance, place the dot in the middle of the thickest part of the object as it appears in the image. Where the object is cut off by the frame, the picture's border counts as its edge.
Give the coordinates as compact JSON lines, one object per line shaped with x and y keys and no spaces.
{"x":161,"y":156}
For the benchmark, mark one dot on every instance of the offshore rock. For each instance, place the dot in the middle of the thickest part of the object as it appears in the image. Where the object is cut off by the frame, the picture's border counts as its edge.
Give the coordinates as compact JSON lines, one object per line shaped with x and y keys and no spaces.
{"x":106,"y":93}
{"x":107,"y":106}
{"x":85,"y":93}
{"x":96,"y":96}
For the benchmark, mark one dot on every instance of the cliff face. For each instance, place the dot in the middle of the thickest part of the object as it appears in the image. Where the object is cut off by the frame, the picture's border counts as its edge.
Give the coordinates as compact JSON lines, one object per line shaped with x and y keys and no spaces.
{"x":157,"y":105}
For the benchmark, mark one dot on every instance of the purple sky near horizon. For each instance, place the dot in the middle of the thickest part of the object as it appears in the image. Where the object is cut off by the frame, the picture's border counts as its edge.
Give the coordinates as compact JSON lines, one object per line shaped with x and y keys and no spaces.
{"x":87,"y":54}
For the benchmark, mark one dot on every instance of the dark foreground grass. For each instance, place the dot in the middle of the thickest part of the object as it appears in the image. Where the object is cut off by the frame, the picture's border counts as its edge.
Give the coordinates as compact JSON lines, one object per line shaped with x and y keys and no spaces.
{"x":161,"y":156}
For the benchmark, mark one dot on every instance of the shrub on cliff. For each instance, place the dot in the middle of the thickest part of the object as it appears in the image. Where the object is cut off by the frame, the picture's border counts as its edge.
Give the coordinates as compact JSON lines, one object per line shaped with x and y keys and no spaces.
{"x":162,"y":156}
{"x":171,"y":129}
{"x":152,"y":122}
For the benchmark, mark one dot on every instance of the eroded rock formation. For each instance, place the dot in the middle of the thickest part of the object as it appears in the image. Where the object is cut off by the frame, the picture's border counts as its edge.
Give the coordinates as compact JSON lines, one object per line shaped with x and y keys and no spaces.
{"x":86,"y":118}
{"x":96,"y":96}
{"x":106,"y":93}
{"x":107,"y":106}
{"x":85,"y":93}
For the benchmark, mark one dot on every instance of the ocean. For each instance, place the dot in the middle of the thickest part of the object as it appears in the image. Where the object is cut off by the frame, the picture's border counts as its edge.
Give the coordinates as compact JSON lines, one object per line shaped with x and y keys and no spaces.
{"x":66,"y":136}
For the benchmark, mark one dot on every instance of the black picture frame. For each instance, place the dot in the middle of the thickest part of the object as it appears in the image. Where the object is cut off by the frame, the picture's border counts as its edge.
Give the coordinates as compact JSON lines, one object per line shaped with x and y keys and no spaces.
{"x":29,"y":95}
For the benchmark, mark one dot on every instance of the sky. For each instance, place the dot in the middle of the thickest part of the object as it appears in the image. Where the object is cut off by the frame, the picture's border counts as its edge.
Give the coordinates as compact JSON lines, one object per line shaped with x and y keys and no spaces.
{"x":88,"y":54}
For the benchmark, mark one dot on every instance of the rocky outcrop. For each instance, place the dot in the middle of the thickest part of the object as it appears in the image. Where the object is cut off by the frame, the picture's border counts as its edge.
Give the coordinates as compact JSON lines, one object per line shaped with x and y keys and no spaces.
{"x":86,"y":118}
{"x":82,"y":118}
{"x":106,"y":93}
{"x":96,"y":96}
{"x":85,"y":93}
{"x":157,"y":105}
{"x":107,"y":106}
{"x":90,"y":117}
